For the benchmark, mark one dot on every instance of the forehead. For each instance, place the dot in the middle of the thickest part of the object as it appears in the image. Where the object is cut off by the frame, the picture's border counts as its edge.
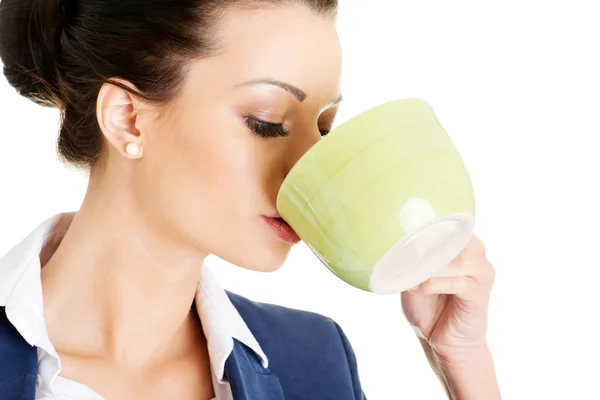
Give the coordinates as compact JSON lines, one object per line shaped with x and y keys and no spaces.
{"x":288,"y":43}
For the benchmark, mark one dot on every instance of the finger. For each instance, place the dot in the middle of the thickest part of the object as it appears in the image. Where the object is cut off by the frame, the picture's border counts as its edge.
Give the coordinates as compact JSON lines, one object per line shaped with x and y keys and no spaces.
{"x":476,"y":267}
{"x":457,"y":267}
{"x":473,"y":249}
{"x":475,"y":246}
{"x":455,"y":286}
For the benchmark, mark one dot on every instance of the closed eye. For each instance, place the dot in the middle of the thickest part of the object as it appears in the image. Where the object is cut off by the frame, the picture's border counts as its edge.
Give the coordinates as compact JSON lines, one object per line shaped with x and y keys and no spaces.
{"x":266,"y":129}
{"x":270,"y":129}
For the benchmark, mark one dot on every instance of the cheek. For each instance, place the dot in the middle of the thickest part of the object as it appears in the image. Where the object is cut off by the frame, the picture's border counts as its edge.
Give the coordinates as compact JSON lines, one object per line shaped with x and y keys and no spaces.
{"x":218,"y":159}
{"x":203,"y":173}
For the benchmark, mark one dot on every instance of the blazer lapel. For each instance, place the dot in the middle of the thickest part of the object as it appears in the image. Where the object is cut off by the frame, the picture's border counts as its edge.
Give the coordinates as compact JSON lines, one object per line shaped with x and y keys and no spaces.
{"x":18,"y":363}
{"x":248,"y":379}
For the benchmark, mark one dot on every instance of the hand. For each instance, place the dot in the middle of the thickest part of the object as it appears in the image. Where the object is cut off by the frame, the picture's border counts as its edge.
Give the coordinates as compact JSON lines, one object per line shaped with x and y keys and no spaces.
{"x":449,"y":311}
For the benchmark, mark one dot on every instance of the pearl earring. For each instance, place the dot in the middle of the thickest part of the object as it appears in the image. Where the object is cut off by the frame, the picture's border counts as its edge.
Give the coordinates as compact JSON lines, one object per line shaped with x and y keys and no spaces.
{"x":132,"y":149}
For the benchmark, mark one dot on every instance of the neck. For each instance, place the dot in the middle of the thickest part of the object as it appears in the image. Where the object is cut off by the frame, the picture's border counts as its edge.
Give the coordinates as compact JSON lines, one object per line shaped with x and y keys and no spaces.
{"x":118,"y":286}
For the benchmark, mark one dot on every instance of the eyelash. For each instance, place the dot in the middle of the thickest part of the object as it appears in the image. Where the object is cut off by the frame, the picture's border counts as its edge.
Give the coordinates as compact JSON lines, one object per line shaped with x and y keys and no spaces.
{"x":266,"y":129}
{"x":270,"y":130}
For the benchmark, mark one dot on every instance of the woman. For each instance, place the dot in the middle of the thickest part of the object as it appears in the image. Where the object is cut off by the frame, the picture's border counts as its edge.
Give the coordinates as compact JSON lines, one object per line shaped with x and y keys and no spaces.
{"x":188,"y":115}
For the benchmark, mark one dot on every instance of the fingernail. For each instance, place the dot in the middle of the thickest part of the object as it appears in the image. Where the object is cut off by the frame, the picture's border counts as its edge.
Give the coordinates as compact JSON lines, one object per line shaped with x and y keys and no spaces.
{"x":413,"y":288}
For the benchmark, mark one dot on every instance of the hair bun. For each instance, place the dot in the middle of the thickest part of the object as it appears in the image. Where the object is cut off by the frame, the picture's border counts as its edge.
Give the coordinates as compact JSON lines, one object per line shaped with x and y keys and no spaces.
{"x":30,"y":33}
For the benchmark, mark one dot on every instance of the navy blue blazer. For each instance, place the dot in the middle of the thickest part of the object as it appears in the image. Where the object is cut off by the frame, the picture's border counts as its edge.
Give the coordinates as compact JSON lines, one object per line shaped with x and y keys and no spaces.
{"x":310,"y":358}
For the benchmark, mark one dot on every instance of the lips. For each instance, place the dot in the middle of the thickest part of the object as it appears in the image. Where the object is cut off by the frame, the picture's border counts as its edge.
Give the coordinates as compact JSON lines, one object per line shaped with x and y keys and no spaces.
{"x":282,"y":229}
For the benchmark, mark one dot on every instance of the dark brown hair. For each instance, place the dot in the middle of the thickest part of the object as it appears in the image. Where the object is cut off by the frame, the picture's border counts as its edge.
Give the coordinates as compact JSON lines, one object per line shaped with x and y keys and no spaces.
{"x":59,"y":53}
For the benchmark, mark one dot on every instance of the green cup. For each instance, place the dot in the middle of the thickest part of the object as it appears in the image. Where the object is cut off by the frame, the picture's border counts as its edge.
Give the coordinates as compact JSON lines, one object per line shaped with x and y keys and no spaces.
{"x":384,"y":200}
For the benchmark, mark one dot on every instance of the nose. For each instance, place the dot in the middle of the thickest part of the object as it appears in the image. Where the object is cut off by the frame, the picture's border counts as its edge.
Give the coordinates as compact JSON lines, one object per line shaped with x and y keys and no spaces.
{"x":299,"y":145}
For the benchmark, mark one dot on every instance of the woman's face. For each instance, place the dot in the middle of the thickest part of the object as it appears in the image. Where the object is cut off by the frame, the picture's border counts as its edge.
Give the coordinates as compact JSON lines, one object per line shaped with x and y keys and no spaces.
{"x":213,"y":164}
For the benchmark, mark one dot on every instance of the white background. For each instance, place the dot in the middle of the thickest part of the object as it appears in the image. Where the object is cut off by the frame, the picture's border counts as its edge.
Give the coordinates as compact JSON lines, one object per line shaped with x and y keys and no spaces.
{"x":517,"y":86}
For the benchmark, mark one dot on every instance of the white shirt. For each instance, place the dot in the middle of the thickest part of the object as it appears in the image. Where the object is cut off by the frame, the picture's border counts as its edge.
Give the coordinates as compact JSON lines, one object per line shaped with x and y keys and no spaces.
{"x":21,"y":295}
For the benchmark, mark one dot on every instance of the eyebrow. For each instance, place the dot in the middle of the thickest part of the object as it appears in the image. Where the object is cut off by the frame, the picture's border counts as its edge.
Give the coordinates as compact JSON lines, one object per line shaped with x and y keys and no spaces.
{"x":298,"y":93}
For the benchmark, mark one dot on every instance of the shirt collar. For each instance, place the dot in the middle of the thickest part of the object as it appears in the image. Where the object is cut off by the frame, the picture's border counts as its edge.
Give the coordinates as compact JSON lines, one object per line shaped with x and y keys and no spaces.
{"x":21,"y":295}
{"x":222,"y":323}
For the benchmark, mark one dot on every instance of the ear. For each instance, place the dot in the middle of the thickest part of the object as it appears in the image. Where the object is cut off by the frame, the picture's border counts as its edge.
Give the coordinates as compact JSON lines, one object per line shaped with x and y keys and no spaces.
{"x":116,"y":110}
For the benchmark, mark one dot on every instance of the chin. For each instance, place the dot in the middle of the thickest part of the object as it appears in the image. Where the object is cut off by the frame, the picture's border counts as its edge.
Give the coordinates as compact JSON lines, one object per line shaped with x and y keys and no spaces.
{"x":266,"y":258}
{"x":273,"y":260}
